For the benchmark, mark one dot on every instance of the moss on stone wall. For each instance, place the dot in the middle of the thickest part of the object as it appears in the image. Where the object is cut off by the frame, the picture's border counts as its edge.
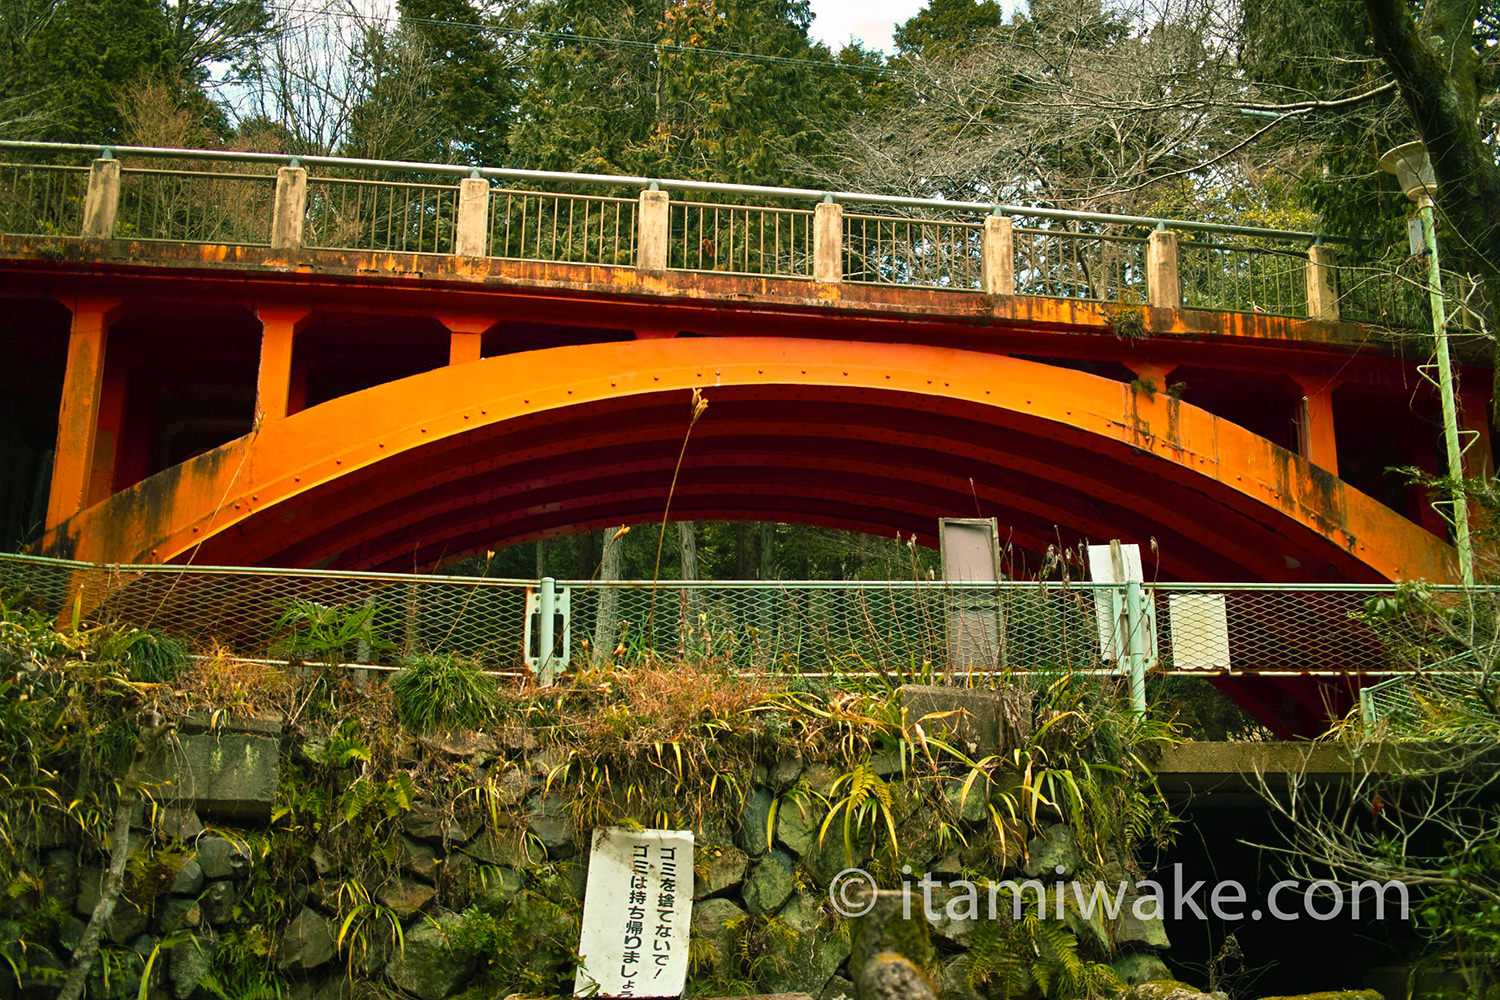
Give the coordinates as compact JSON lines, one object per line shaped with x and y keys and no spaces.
{"x":362,"y":848}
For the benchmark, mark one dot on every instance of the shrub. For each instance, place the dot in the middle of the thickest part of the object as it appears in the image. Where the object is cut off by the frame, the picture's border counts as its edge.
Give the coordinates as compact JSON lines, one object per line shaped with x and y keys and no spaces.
{"x":440,"y":690}
{"x":147,"y":656}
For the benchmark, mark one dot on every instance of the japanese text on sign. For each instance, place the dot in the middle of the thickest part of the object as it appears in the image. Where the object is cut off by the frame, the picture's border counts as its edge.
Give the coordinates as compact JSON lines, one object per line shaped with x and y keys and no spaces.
{"x":636,"y":912}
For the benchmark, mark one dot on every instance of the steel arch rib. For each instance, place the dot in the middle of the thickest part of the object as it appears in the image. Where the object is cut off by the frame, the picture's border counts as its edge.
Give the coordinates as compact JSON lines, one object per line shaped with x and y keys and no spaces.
{"x":255,"y":481}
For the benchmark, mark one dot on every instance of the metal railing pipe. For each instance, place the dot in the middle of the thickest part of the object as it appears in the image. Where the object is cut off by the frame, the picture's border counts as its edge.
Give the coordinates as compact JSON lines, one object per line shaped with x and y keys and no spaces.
{"x":677,"y":184}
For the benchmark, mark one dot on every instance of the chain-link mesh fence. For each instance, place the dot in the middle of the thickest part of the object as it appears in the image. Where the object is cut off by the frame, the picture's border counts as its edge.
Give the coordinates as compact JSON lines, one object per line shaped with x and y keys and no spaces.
{"x":1447,"y":690}
{"x":897,"y":627}
{"x":242,"y":610}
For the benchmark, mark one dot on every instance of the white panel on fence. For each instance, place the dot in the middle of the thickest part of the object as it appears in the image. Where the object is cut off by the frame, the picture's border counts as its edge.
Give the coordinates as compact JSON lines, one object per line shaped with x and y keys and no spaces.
{"x":1109,"y":608}
{"x":1200,"y":631}
{"x":637,"y":908}
{"x":971,"y":554}
{"x":970,"y":548}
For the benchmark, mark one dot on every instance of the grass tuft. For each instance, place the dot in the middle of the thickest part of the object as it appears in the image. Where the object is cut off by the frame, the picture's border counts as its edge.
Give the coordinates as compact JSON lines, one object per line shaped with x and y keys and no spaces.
{"x":443,"y":691}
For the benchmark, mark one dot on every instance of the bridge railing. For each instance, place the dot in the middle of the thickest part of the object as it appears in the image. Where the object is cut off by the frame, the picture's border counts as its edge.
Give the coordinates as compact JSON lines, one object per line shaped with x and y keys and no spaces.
{"x":404,"y":215}
{"x":286,"y":203}
{"x":573,"y":228}
{"x":1241,"y":276}
{"x":184,"y":201}
{"x":900,"y":628}
{"x":1100,"y":266}
{"x":916,"y":252}
{"x":43,"y":199}
{"x":773,"y":241}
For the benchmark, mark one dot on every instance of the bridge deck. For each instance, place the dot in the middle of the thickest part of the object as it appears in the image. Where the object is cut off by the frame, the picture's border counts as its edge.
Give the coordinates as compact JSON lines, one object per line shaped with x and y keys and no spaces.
{"x":309,"y":361}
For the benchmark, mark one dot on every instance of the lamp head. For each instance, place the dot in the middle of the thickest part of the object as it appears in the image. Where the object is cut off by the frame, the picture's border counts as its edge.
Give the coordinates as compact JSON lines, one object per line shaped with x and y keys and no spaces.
{"x":1413,"y":169}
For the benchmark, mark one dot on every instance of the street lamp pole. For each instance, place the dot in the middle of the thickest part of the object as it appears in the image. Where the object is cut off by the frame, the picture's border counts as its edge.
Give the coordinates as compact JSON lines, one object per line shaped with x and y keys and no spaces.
{"x":1413,"y":169}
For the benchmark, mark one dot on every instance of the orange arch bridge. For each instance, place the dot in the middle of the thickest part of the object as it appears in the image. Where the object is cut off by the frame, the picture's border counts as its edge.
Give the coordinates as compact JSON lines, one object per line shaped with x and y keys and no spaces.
{"x":879,"y":437}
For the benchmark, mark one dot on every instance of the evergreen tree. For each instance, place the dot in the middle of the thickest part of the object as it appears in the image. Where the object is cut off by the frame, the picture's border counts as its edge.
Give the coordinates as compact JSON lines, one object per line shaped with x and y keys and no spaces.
{"x":63,"y":80}
{"x":947,"y":24}
{"x":730,"y":90}
{"x":65,"y":65}
{"x":473,"y":72}
{"x":1310,"y":48}
{"x":586,"y":102}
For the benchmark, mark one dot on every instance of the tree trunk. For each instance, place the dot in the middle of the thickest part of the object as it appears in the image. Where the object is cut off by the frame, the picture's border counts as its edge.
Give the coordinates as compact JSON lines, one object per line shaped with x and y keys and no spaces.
{"x":687,"y":545}
{"x":766,"y":552}
{"x":541,"y":558}
{"x":767,"y":644}
{"x":744,"y":550}
{"x":1435,"y":67}
{"x":589,"y":548}
{"x":607,"y":623}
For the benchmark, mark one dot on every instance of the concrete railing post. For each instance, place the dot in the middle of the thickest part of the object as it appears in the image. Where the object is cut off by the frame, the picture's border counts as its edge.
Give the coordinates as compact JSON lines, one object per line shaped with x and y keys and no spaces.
{"x":1322,"y":284}
{"x":828,"y":242}
{"x":290,"y":209}
{"x":998,"y":249}
{"x":1163,"y":289}
{"x":651,"y":239}
{"x":472,"y":236}
{"x":102,"y":202}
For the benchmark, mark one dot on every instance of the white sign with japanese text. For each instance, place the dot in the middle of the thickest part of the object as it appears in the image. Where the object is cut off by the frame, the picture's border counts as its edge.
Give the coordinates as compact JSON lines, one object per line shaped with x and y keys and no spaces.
{"x":637,"y":907}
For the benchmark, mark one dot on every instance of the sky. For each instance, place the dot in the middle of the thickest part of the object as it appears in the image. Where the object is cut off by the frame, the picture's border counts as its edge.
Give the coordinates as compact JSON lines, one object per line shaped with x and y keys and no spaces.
{"x":870,"y":21}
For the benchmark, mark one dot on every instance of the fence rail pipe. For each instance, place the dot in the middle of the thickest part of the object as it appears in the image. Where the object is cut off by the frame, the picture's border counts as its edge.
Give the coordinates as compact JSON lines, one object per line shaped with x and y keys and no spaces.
{"x":678,"y":184}
{"x":1136,"y":645}
{"x":546,"y":640}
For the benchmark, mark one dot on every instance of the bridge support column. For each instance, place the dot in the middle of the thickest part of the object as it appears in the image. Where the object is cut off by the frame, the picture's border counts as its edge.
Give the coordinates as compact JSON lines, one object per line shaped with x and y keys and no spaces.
{"x":1322,"y":284}
{"x":465,"y":337}
{"x":78,"y":417}
{"x":1315,"y":431}
{"x":1149,"y":373}
{"x":1479,"y":457}
{"x":109,"y":428}
{"x":1163,"y":289}
{"x":651,"y":240}
{"x":998,"y":251}
{"x":828,"y":242}
{"x":273,"y":385}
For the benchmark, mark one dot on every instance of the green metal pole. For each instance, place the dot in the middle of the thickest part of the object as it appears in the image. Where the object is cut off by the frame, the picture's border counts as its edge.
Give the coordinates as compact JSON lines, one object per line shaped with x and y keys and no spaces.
{"x":1135,"y":624}
{"x":1445,"y":388}
{"x":546,"y":639}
